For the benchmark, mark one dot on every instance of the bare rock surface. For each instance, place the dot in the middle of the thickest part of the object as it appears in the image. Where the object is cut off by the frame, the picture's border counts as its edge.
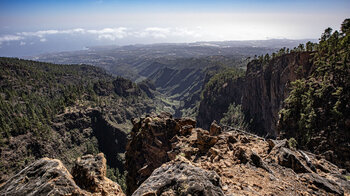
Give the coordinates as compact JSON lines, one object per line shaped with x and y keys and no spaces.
{"x":246,"y":164}
{"x":180,"y":177}
{"x":50,"y":177}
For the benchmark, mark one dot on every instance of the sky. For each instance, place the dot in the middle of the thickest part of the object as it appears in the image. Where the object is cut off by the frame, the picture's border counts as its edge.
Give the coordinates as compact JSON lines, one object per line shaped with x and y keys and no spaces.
{"x":29,"y":27}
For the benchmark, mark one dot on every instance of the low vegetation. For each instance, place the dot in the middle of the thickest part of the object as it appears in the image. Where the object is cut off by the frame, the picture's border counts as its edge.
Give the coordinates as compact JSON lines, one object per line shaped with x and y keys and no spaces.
{"x":234,"y":117}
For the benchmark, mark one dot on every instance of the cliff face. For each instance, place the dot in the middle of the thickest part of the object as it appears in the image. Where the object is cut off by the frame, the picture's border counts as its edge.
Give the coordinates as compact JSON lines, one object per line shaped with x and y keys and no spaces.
{"x":266,"y":88}
{"x":244,"y":163}
{"x":215,"y":102}
{"x":261,"y":92}
{"x":73,"y":133}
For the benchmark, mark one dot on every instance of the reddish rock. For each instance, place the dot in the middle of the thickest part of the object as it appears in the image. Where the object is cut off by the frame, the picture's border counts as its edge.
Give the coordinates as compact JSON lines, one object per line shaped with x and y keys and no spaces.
{"x":246,"y":164}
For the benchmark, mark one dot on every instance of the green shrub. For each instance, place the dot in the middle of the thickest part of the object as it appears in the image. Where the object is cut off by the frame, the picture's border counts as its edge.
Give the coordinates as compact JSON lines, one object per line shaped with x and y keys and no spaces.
{"x":234,"y":117}
{"x":292,"y":143}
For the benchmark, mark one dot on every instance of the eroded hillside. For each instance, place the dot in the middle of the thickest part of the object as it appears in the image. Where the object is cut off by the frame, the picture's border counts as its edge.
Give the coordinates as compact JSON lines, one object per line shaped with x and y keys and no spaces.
{"x":64,"y":111}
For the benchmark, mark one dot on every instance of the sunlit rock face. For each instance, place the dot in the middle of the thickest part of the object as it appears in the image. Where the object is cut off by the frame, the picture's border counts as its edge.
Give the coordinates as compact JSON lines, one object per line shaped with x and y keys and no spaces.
{"x":49,"y":177}
{"x":244,"y":163}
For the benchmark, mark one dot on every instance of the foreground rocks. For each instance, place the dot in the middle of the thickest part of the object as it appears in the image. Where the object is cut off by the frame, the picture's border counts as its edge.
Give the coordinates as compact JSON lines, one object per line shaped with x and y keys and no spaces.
{"x":180,"y":177}
{"x":167,"y":156}
{"x":246,"y":164}
{"x":50,"y":177}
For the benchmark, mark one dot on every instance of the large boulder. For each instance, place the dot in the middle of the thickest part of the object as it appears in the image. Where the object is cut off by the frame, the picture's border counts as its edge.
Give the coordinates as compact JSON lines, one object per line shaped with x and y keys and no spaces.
{"x":181,"y":178}
{"x":50,"y":177}
{"x":43,"y":177}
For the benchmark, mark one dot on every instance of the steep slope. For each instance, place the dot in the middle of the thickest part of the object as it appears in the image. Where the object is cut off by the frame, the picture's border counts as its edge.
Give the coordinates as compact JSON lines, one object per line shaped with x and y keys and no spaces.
{"x":261,"y":91}
{"x":219,"y":92}
{"x":246,"y":164}
{"x":183,"y":79}
{"x":300,"y":94}
{"x":63,"y":111}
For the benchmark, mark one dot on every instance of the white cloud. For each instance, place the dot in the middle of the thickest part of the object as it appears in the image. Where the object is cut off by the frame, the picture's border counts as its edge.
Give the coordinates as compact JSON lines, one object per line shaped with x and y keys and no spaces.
{"x":158,"y":32}
{"x":110,"y":33}
{"x":41,"y":34}
{"x":183,"y":32}
{"x":22,"y":43}
{"x":7,"y":38}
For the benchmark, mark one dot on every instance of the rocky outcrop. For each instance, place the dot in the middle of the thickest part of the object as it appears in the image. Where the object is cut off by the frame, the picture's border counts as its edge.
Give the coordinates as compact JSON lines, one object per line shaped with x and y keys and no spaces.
{"x":180,"y":177}
{"x":245,"y":163}
{"x":124,"y":88}
{"x":50,"y":177}
{"x":261,"y":92}
{"x":148,"y":148}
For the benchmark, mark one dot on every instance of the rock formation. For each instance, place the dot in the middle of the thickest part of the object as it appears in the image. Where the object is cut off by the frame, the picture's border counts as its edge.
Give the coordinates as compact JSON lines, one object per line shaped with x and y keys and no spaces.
{"x":180,"y":177}
{"x":167,"y":156}
{"x":245,"y":163}
{"x":50,"y":177}
{"x":261,"y":92}
{"x":149,"y":146}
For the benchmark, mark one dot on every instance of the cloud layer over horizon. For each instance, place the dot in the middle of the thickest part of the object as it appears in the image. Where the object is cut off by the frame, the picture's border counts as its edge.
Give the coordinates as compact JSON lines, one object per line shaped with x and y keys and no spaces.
{"x":57,"y":25}
{"x":111,"y":34}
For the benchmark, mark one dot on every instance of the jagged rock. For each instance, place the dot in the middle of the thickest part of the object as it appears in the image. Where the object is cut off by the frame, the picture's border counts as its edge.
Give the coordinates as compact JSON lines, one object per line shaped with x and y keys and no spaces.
{"x":215,"y":129}
{"x":246,"y":164}
{"x":187,"y":121}
{"x":322,"y":183}
{"x":204,"y":140}
{"x":241,"y":155}
{"x":43,"y":177}
{"x":287,"y":158}
{"x":186,"y":124}
{"x":259,"y":162}
{"x":181,"y":178}
{"x":89,"y":173}
{"x":50,"y":177}
{"x":143,"y":154}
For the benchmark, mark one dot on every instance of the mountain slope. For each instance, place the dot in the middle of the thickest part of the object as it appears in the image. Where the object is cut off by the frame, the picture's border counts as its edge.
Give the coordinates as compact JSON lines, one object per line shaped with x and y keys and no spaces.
{"x":63,"y":111}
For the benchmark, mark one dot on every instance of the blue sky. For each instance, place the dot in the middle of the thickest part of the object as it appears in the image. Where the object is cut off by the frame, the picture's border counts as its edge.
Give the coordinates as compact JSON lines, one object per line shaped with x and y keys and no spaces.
{"x":99,"y":22}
